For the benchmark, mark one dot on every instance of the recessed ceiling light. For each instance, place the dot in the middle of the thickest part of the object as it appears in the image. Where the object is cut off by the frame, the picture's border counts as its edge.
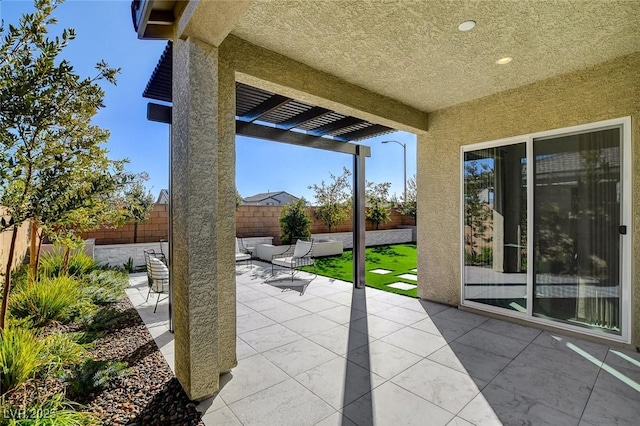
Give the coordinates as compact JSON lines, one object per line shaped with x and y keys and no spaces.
{"x":504,"y":61}
{"x":467,"y":25}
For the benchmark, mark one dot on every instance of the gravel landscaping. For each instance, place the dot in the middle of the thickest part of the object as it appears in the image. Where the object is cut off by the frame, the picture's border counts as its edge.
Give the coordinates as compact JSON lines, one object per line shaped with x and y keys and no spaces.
{"x":147,"y":394}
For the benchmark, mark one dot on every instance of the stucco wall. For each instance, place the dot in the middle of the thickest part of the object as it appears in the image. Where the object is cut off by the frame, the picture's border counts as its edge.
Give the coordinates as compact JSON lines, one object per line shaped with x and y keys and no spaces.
{"x":609,"y":90}
{"x":22,"y":245}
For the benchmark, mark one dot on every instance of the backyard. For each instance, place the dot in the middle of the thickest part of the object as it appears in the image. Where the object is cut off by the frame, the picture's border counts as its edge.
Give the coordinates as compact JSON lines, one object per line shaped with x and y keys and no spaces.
{"x":390,"y":268}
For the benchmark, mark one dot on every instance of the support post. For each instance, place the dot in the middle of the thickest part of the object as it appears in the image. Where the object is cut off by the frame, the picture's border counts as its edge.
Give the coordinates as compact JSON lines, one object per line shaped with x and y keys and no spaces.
{"x":359,"y":225}
{"x":202,"y":217}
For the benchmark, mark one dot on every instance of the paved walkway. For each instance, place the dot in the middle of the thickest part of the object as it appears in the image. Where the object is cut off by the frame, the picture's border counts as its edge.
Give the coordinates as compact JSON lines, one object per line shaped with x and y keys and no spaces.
{"x":327,"y":355}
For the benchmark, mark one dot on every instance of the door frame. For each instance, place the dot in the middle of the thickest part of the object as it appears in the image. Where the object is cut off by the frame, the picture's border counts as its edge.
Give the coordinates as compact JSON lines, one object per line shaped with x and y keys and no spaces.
{"x":626,"y":163}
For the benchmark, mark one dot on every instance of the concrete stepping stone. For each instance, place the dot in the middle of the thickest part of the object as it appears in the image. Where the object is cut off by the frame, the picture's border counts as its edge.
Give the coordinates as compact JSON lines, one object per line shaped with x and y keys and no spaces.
{"x":380,"y":271}
{"x":402,"y":286}
{"x":415,"y":270}
{"x":411,"y":277}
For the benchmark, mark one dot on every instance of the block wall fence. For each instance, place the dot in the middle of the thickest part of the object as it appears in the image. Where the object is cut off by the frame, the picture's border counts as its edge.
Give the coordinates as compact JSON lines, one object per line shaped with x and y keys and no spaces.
{"x":251,"y":221}
{"x":154,"y":229}
{"x":22,"y":244}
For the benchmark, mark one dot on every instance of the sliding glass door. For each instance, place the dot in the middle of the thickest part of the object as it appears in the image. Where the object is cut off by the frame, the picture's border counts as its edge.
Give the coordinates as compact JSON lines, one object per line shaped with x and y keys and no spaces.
{"x":577,"y":216}
{"x":543,"y":231}
{"x":495,"y":223}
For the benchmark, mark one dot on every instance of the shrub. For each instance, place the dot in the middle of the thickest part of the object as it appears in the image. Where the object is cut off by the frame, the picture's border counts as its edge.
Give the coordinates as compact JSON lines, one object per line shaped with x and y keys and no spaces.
{"x":61,"y":351}
{"x":83,"y":311}
{"x":20,"y":356}
{"x":46,"y":300}
{"x":93,"y":375}
{"x":295,"y":221}
{"x":86,"y":338}
{"x":102,"y":319}
{"x":52,"y":411}
{"x":128,"y":265}
{"x":377,"y":210}
{"x":332,"y":199}
{"x":79,"y":264}
{"x":19,"y":277}
{"x":105,"y":286}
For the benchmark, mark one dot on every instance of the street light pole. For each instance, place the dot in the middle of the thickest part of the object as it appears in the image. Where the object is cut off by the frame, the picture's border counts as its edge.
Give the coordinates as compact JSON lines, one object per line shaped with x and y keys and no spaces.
{"x":404,"y":147}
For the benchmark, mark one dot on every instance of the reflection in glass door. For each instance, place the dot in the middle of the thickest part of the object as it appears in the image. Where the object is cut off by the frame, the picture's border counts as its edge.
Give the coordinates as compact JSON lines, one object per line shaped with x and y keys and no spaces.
{"x":576,"y":237}
{"x":495,"y":226}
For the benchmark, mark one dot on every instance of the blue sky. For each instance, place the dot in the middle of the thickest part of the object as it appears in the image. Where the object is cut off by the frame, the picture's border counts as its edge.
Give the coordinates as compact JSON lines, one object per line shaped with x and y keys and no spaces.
{"x":104,"y":31}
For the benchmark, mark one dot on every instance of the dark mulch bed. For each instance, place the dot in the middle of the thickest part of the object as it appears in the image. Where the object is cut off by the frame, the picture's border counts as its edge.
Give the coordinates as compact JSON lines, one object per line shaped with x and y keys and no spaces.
{"x":149,"y":394}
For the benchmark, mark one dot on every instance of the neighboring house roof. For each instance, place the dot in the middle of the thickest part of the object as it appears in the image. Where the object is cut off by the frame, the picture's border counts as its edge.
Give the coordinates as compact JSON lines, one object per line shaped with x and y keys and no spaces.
{"x":163,"y":197}
{"x":267,"y":195}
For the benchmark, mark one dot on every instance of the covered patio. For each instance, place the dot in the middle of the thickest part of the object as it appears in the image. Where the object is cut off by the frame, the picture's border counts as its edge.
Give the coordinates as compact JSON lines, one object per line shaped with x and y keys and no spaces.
{"x":335,"y":355}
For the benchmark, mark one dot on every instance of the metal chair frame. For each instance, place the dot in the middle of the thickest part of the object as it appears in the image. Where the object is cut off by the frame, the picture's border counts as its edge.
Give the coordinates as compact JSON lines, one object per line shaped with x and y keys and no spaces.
{"x":289,"y":260}
{"x":164,"y":282}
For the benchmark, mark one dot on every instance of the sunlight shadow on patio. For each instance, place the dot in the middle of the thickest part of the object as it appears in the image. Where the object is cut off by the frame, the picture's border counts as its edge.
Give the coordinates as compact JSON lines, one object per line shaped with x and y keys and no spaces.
{"x":321,"y":351}
{"x":357,"y":379}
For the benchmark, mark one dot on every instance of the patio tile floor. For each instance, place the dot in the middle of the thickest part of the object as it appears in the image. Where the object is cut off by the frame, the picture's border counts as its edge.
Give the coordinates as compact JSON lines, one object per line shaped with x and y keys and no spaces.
{"x":305,"y":356}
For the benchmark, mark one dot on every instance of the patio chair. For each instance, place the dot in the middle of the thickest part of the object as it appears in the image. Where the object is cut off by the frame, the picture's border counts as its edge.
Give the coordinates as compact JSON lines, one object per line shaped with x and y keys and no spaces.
{"x":157,"y":275}
{"x":296,"y":256}
{"x":242,"y":254}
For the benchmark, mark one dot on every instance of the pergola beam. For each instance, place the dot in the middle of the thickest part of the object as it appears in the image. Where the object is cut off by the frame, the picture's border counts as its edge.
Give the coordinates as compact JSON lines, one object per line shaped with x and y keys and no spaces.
{"x":305,"y":117}
{"x":364,"y":133}
{"x":335,"y":125}
{"x":267,"y":106}
{"x":258,"y":131}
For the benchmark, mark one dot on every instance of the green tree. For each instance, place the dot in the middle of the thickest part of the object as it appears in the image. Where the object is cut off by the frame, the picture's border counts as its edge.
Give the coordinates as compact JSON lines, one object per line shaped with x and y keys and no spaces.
{"x":88,"y":201}
{"x":332,"y":199}
{"x":238,"y":199}
{"x":45,"y":123}
{"x":409,"y":207}
{"x":138,"y":202}
{"x":378,"y":205}
{"x":294,"y":221}
{"x":477,"y":212}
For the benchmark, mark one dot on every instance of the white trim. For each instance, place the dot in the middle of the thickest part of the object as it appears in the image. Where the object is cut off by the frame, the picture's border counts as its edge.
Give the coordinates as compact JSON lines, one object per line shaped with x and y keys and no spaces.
{"x":530,"y":201}
{"x":543,"y":321}
{"x":494,"y":144}
{"x":461,"y":240}
{"x":468,"y":148}
{"x":626,"y":219}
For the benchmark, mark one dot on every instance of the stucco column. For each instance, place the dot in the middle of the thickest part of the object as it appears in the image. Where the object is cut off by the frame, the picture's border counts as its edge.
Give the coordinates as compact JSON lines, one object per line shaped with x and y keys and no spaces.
{"x":203,"y":217}
{"x":438,"y":220}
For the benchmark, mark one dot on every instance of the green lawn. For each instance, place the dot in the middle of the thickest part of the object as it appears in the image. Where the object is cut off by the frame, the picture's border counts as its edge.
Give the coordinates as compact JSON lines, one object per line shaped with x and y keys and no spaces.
{"x":400,"y":259}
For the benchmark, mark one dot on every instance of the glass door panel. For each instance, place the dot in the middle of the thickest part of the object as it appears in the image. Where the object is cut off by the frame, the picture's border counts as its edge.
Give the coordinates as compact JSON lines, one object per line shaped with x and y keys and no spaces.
{"x":577,"y":191}
{"x":495,"y":226}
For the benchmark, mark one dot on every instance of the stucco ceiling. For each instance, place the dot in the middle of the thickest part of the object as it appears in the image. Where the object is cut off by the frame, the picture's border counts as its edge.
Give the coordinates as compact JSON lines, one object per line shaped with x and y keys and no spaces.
{"x":412,"y":51}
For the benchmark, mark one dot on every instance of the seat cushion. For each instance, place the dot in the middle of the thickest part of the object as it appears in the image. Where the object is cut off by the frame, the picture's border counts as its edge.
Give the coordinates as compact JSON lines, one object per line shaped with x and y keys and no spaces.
{"x":289,"y":262}
{"x":302,"y":248}
{"x":159,"y":270}
{"x":242,"y":256}
{"x":159,"y":274}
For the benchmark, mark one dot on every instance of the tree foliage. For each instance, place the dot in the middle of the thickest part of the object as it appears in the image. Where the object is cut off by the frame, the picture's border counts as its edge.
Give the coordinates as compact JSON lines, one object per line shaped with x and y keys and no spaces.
{"x":333,"y":199}
{"x":477,"y":212}
{"x":294,"y":221}
{"x":138,"y":202}
{"x":238,"y":199}
{"x":378,"y":204}
{"x":50,"y":150}
{"x":409,"y":207}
